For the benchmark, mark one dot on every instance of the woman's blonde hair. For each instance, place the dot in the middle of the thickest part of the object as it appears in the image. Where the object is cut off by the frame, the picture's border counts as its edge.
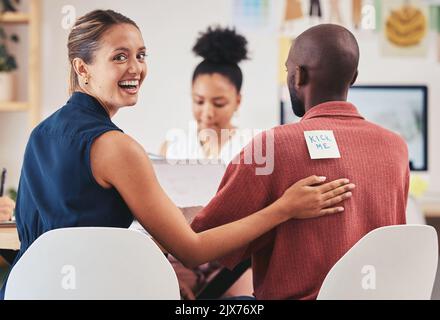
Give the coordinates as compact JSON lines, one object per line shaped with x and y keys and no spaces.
{"x":84,"y":39}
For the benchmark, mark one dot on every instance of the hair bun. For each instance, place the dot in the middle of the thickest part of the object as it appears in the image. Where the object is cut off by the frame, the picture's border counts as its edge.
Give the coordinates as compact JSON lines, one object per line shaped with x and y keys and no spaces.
{"x":223,"y":46}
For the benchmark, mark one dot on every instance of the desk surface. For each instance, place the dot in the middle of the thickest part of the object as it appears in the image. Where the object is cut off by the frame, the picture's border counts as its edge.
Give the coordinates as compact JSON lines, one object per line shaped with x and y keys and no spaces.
{"x":431,"y":210}
{"x":9,"y":237}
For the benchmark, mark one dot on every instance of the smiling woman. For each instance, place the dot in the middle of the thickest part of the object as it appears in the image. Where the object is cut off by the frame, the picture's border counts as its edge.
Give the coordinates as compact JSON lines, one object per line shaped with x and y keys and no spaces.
{"x":81,"y":170}
{"x":114,"y":78}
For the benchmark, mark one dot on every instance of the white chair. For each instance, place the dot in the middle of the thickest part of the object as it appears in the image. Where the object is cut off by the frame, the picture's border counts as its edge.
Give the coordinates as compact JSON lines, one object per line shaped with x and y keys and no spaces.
{"x":389,"y":263}
{"x":93,"y":263}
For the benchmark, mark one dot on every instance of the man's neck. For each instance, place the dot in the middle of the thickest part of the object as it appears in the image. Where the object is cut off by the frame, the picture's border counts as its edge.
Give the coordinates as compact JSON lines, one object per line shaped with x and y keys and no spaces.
{"x":315,"y":100}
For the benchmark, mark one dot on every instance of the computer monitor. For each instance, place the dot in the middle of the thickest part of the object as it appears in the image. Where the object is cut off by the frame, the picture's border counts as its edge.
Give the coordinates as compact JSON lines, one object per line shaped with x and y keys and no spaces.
{"x":402,"y":109}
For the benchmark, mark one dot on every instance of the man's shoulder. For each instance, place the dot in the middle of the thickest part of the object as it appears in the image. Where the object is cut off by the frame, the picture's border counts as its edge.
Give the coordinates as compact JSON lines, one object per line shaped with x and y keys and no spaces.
{"x":390,"y":135}
{"x":288,"y":133}
{"x":290,"y":130}
{"x":278,"y":135}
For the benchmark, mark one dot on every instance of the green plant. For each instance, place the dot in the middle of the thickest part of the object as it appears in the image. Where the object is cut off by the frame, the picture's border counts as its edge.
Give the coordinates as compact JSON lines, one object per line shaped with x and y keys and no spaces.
{"x":12,"y":193}
{"x":7,"y":61}
{"x":8,"y":5}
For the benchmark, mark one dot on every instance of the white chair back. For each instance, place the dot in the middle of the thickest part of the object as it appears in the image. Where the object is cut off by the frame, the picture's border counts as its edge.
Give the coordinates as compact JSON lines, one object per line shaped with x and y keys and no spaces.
{"x":93,"y":263}
{"x":389,"y":263}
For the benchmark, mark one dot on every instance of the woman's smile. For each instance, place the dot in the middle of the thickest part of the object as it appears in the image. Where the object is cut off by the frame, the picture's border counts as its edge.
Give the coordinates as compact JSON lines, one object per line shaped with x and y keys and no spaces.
{"x":130,"y":87}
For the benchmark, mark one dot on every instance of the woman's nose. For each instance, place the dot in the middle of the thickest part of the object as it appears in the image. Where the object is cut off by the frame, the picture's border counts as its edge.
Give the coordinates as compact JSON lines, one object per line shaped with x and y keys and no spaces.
{"x":136,"y":67}
{"x":207,"y":112}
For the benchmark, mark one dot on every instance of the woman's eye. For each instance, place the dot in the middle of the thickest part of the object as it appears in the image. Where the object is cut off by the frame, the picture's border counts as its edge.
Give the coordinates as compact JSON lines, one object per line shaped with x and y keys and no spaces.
{"x":219,"y":105}
{"x":142,"y":56}
{"x":120,"y":58}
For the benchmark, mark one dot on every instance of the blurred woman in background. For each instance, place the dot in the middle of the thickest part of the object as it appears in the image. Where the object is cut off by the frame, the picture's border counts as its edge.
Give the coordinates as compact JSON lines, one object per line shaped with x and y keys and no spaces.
{"x":216,"y":96}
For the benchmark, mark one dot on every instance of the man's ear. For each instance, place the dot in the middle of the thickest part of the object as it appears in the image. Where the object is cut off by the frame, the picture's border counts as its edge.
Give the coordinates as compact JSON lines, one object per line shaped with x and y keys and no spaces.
{"x":300,"y":76}
{"x":354,"y":78}
{"x":80,"y":68}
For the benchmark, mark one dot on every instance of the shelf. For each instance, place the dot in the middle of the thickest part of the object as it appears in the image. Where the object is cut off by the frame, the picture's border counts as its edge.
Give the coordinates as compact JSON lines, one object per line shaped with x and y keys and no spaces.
{"x":32,"y":19}
{"x":13,"y":106}
{"x":9,"y":239}
{"x":12,"y":17}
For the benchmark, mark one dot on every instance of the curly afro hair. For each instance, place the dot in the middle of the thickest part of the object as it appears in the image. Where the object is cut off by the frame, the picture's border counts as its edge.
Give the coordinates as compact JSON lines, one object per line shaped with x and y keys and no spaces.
{"x":222,"y":50}
{"x":221,"y":45}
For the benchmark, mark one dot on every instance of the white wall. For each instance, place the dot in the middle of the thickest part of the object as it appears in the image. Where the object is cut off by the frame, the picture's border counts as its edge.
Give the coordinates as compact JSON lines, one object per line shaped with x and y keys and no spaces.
{"x":170,"y":28}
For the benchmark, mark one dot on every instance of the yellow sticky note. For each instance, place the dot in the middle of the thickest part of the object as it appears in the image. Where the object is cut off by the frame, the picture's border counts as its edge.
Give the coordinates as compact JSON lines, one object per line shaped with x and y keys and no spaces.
{"x":418,"y":186}
{"x":284,"y":48}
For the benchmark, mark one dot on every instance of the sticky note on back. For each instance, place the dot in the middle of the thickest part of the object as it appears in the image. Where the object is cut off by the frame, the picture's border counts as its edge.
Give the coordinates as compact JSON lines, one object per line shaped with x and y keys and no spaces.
{"x":322,"y":144}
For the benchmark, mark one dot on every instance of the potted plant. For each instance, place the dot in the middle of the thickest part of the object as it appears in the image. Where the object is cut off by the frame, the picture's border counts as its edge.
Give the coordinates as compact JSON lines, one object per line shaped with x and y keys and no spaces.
{"x":8,"y":5}
{"x":7,"y":61}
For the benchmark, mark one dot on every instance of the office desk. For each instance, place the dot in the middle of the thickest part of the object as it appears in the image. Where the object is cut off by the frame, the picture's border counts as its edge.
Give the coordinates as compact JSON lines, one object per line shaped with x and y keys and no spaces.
{"x":431,"y":210}
{"x":9,"y":237}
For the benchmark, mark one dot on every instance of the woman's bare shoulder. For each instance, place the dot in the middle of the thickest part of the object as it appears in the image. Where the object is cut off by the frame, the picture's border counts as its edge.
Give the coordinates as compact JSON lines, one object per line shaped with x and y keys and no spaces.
{"x":117,"y":142}
{"x":114,"y":154}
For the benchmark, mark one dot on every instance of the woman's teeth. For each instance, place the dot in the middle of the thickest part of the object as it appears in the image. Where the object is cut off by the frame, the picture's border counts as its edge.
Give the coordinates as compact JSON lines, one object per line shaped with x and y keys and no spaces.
{"x":129,"y":84}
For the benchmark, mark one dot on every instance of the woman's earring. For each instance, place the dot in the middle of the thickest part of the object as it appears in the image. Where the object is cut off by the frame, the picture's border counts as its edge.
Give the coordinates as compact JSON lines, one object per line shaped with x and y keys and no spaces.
{"x":86,"y":81}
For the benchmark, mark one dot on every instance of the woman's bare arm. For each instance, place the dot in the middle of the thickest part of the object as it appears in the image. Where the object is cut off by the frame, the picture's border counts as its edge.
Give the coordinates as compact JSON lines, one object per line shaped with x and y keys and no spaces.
{"x":119,"y":161}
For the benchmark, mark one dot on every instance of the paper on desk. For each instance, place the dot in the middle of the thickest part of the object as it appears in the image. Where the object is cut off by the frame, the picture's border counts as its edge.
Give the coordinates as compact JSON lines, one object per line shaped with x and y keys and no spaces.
{"x":189,"y":185}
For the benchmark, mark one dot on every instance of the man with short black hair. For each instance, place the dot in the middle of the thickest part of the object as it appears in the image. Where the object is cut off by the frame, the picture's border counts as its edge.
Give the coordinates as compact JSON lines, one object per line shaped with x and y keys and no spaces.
{"x":331,"y":140}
